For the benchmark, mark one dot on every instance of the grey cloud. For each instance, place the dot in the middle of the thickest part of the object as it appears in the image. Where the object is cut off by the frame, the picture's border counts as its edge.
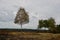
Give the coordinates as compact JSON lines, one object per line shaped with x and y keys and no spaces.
{"x":43,"y":8}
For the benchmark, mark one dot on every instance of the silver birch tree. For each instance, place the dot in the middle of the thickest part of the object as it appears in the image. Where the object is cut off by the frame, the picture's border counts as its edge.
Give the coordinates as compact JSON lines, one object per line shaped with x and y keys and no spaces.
{"x":22,"y":17}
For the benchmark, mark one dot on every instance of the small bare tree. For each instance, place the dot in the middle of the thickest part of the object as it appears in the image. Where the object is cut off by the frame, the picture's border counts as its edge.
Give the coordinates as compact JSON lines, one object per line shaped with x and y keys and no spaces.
{"x":21,"y":17}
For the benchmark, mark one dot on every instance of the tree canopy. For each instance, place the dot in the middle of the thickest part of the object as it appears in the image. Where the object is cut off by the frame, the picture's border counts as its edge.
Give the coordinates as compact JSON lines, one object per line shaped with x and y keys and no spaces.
{"x":49,"y":23}
{"x":21,"y":17}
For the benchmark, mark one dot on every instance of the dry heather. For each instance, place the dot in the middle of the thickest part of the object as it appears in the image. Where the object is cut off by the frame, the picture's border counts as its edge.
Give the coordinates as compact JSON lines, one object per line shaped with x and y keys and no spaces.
{"x":30,"y":36}
{"x":35,"y":36}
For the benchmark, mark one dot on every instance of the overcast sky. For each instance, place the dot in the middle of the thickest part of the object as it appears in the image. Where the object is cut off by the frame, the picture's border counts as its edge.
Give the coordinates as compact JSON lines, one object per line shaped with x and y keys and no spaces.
{"x":37,"y":9}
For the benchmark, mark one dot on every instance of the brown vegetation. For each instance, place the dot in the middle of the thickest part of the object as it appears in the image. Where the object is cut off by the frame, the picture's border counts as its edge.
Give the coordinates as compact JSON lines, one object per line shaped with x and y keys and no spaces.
{"x":28,"y":36}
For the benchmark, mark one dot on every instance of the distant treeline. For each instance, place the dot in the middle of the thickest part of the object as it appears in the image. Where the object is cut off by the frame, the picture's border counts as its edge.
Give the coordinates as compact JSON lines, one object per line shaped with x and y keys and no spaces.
{"x":5,"y":31}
